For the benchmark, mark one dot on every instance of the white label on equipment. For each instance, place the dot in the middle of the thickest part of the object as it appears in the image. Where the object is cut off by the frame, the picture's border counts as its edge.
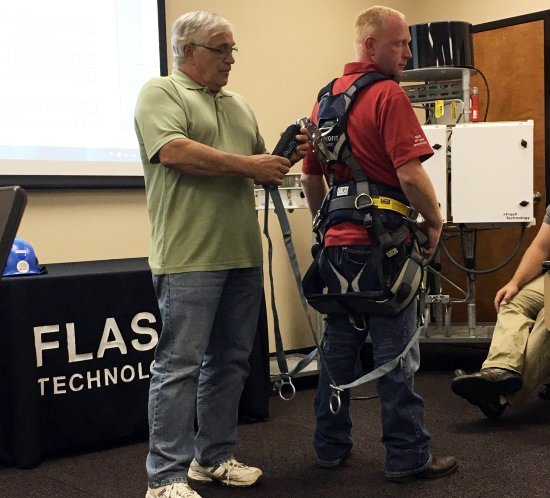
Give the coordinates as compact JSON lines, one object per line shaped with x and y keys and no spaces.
{"x":342,"y":191}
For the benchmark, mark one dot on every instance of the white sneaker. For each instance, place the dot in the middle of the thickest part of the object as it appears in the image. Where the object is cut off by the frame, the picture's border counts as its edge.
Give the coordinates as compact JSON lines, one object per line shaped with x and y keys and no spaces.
{"x":230,"y":473}
{"x":174,"y":490}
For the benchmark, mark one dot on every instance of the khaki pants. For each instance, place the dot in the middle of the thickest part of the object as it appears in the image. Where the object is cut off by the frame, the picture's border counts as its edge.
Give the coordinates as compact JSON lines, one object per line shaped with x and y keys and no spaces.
{"x":520,"y":340}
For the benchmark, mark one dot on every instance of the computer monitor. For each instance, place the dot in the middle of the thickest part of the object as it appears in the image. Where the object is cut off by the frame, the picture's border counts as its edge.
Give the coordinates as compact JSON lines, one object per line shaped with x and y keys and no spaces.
{"x":12,"y":204}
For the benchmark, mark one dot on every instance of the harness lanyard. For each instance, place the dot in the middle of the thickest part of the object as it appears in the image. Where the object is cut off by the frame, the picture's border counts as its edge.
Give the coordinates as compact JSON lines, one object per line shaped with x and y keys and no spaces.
{"x":335,"y":401}
{"x":286,"y":376}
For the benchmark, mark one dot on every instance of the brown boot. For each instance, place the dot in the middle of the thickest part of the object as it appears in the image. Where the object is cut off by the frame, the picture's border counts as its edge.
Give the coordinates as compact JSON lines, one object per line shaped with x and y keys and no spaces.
{"x":439,"y":467}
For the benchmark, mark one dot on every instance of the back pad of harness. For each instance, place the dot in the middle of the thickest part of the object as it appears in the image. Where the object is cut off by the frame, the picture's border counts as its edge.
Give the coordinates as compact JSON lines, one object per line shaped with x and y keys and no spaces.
{"x":332,"y":111}
{"x":348,"y":269}
{"x":352,"y":269}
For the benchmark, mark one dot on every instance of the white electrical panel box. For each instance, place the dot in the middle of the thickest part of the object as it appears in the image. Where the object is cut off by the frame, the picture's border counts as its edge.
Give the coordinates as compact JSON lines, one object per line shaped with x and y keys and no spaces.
{"x":492,"y":172}
{"x":436,"y":166}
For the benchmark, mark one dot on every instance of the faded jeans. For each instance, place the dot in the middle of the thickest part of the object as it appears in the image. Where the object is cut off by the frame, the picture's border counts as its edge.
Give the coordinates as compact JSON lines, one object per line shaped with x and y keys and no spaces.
{"x":201,"y":364}
{"x":404,"y":433}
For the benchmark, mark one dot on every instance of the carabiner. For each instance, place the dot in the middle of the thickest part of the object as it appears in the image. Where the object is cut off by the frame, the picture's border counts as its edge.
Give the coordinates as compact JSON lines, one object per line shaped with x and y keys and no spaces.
{"x":281,"y":385}
{"x":316,"y":140}
{"x":335,"y":398}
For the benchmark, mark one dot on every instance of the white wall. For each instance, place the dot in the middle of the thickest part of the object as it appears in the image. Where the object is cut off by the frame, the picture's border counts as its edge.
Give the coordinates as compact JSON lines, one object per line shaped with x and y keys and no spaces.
{"x":473,"y":11}
{"x":288,"y":51}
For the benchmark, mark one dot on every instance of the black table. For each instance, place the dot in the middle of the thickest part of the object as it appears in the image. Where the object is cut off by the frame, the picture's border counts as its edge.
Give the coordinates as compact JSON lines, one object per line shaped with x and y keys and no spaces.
{"x":77,"y":348}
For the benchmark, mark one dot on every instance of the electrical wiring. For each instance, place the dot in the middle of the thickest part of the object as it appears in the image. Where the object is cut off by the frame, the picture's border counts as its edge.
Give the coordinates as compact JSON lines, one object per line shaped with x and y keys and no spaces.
{"x":471,"y":271}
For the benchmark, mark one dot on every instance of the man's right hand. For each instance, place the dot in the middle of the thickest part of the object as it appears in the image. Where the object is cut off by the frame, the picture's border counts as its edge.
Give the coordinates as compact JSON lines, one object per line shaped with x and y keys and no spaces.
{"x":268,"y":170}
{"x":433,"y":234}
{"x":504,"y":295}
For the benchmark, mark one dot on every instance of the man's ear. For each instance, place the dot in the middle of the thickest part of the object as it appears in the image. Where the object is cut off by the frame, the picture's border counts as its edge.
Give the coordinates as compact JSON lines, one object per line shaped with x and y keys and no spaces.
{"x":368,"y":45}
{"x":188,"y":50}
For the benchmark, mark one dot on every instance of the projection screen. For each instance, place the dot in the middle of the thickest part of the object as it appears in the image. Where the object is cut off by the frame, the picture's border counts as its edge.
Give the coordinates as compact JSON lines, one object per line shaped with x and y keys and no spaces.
{"x":71,"y":74}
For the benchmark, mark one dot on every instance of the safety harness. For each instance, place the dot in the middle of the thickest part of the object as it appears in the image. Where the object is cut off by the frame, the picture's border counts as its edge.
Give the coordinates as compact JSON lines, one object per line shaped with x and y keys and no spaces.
{"x":360,"y":201}
{"x":374,"y":205}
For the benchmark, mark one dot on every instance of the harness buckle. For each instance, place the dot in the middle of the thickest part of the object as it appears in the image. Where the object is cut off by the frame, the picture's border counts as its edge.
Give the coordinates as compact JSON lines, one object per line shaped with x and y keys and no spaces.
{"x":367,"y":220}
{"x":335,"y":403}
{"x":291,"y":389}
{"x":363,"y":201}
{"x":389,"y":245}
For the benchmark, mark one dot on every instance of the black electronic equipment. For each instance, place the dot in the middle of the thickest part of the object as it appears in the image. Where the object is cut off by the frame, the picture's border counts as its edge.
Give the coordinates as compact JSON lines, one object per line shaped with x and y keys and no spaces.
{"x":441,"y":44}
{"x":12,"y":204}
{"x":287,"y":143}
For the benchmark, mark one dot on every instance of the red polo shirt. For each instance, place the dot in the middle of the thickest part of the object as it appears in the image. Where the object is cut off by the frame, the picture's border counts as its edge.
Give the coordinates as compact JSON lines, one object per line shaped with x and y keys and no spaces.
{"x":384,"y":133}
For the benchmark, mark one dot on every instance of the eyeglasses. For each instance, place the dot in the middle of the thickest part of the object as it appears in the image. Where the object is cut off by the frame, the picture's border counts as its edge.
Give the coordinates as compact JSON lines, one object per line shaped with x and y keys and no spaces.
{"x":221,"y":51}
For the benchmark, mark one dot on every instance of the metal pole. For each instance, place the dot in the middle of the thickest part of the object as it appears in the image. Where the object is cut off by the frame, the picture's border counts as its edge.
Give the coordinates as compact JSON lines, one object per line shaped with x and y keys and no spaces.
{"x":469,"y":248}
{"x":438,"y":308}
{"x":469,"y":255}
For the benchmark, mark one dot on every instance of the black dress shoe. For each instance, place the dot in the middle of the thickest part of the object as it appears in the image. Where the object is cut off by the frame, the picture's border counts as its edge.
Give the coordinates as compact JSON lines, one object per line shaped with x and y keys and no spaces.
{"x":487,"y":384}
{"x":492,"y":408}
{"x":439,"y":467}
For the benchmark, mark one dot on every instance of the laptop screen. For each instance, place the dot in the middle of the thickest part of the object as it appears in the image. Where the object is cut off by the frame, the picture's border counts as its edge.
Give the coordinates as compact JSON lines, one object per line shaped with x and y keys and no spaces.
{"x":12,"y":205}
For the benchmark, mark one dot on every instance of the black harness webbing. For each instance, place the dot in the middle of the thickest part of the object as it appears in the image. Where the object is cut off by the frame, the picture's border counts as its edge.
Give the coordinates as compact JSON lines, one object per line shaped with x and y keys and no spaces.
{"x":285,"y":375}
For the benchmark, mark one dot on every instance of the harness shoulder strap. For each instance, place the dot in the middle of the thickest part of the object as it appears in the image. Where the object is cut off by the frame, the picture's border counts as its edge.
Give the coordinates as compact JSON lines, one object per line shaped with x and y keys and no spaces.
{"x":326,"y":89}
{"x":346,"y":153}
{"x":342,"y":149}
{"x":366,"y":79}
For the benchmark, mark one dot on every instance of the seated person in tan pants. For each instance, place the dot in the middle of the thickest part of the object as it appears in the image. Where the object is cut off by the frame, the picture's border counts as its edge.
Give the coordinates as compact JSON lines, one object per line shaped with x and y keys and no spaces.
{"x":519,"y":356}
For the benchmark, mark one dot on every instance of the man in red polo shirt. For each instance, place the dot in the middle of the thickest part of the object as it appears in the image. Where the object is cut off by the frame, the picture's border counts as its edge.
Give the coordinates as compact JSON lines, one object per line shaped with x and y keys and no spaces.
{"x":389,"y":144}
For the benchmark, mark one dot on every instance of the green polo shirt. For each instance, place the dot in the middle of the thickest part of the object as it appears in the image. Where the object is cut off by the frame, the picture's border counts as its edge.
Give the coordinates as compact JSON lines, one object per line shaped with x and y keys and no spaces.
{"x":198,"y":223}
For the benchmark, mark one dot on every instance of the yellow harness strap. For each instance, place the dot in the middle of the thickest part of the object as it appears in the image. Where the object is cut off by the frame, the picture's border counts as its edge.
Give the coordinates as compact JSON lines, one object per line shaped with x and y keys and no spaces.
{"x":392,"y":204}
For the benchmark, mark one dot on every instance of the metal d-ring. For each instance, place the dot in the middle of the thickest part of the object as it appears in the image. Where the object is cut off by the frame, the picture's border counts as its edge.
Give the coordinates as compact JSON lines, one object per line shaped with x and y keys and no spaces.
{"x":359,"y":204}
{"x":335,"y":400}
{"x":291,"y":389}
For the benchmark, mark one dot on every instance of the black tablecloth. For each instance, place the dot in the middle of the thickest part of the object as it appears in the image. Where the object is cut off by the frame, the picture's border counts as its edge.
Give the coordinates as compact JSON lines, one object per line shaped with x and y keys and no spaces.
{"x":78,"y":344}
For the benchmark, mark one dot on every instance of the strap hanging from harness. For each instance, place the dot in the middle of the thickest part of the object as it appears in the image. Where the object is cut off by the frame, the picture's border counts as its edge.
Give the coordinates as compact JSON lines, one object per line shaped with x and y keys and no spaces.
{"x":285,"y":375}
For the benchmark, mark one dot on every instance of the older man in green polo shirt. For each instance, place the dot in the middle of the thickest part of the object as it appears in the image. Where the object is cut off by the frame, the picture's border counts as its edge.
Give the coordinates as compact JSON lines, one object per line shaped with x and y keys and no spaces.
{"x":202,"y":152}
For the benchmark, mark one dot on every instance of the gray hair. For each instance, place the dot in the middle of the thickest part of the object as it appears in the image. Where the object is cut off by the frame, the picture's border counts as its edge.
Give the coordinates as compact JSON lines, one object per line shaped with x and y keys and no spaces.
{"x":370,"y":21}
{"x":195,"y":27}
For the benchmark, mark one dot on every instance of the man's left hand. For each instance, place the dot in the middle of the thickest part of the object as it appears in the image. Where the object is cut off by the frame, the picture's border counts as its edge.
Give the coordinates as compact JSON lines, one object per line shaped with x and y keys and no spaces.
{"x":433,"y":234}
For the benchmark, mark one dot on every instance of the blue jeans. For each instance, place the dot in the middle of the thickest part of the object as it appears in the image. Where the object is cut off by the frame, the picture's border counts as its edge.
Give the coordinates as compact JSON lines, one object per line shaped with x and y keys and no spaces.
{"x":404,"y":433}
{"x":209,"y":321}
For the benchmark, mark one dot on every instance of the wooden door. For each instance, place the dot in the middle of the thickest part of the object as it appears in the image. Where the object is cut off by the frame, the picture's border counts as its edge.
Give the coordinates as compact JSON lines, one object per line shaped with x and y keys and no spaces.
{"x":513,"y":54}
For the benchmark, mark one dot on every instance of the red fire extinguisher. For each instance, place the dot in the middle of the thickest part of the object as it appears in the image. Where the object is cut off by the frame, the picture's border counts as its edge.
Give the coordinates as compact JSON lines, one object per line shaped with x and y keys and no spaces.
{"x":474,"y":105}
